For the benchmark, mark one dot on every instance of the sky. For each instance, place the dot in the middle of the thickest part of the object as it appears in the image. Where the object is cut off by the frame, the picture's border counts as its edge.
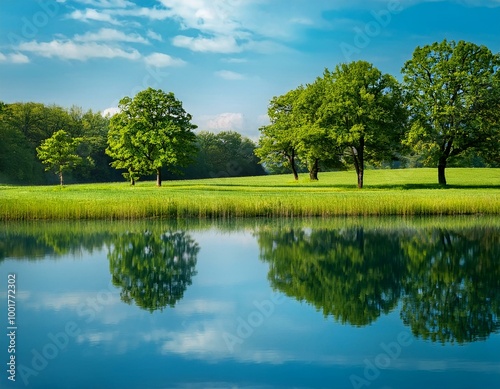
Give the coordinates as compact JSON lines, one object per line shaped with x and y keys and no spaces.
{"x":224,"y":59}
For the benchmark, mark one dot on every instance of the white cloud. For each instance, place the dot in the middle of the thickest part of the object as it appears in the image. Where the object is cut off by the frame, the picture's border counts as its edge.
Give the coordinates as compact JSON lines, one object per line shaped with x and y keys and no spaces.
{"x":19,"y":58}
{"x":96,"y":338}
{"x":92,"y":14}
{"x":153,"y":35}
{"x":196,"y":307}
{"x":110,"y":111}
{"x":229,"y":75}
{"x":214,"y":17}
{"x":150,"y":13}
{"x":107,"y":3}
{"x":229,"y":121}
{"x":77,"y":51}
{"x":14,"y":58}
{"x":197,"y":342}
{"x":235,"y":60}
{"x":220,"y":44}
{"x":110,"y":34}
{"x":161,"y":60}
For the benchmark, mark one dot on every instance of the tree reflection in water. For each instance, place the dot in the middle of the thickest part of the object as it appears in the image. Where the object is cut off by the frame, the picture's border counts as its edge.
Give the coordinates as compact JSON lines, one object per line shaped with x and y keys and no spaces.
{"x":452,"y":291}
{"x":448,"y":281}
{"x":153,"y":270}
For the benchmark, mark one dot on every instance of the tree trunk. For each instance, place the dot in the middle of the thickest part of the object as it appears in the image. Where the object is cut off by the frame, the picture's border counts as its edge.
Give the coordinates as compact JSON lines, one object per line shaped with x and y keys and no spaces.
{"x":61,"y":180}
{"x":443,"y":160}
{"x":359,"y":162}
{"x":132,"y":181}
{"x":360,"y":178}
{"x":291,"y":160}
{"x":158,"y":176}
{"x":441,"y":171}
{"x":313,"y":172}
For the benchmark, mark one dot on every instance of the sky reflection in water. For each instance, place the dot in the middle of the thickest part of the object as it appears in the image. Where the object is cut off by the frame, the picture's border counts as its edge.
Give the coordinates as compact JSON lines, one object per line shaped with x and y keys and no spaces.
{"x":306,"y":304}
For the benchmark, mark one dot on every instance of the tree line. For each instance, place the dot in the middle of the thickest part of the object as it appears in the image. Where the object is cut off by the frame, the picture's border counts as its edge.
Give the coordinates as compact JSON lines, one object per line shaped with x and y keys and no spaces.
{"x":76,"y":145}
{"x":446,"y":110}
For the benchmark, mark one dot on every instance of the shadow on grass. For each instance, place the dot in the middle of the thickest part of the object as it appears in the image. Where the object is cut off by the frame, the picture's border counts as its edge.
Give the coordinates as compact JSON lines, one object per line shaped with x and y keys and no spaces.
{"x":319,"y":184}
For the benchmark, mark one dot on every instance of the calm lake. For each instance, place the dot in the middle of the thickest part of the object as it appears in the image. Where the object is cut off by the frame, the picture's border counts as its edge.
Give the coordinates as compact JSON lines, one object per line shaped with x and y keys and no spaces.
{"x":341,"y":303}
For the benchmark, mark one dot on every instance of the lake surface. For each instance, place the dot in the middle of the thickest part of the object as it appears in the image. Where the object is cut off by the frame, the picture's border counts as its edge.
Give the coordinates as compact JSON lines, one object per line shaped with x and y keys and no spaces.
{"x":342,"y":303}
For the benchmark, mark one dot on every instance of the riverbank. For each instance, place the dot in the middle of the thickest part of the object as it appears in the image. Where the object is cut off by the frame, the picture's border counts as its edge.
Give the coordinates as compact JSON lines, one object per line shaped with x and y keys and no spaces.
{"x":387,"y":192}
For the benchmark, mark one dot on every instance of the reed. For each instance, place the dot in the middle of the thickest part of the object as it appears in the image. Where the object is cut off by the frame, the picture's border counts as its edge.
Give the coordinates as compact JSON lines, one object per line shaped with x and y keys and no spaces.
{"x":388,"y":192}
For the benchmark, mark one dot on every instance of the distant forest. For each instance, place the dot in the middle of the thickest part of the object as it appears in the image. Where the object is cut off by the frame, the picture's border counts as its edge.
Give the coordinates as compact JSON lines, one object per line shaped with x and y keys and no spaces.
{"x":24,"y":126}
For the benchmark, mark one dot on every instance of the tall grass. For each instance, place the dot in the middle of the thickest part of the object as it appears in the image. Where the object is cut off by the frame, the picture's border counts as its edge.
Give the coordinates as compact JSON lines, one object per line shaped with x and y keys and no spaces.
{"x":387,"y":192}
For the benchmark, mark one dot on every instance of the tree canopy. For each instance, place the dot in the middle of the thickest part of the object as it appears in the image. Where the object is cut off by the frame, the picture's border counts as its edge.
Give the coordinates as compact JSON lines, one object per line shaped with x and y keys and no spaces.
{"x":350,"y":115}
{"x":454,"y":102}
{"x":278,"y":142}
{"x":151,"y":131}
{"x":59,"y":154}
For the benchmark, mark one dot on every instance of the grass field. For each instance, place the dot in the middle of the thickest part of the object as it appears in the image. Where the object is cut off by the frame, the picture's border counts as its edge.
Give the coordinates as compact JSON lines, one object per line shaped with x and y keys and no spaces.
{"x":386,"y":192}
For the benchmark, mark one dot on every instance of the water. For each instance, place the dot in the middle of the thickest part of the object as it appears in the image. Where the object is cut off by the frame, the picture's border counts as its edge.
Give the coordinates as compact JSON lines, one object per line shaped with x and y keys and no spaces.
{"x":343,"y":303}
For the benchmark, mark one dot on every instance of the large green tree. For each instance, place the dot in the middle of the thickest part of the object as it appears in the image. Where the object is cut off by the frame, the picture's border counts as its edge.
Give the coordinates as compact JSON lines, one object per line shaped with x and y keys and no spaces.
{"x":278,"y":141}
{"x":453,"y":94}
{"x":151,"y":131}
{"x":317,"y":145}
{"x":363,"y":110}
{"x":59,"y":153}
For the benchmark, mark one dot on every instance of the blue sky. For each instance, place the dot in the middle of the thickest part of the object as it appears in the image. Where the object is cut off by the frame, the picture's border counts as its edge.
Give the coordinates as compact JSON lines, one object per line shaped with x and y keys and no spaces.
{"x":224,"y":59}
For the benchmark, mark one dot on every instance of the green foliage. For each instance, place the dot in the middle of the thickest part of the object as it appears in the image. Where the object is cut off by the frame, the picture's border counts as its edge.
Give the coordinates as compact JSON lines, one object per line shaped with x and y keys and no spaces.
{"x":226,"y":154}
{"x":58,"y":153}
{"x":23,"y":126}
{"x":354,"y":108}
{"x":453,"y":97}
{"x":17,"y":159}
{"x":152,"y":130}
{"x":278,"y":141}
{"x":362,"y":108}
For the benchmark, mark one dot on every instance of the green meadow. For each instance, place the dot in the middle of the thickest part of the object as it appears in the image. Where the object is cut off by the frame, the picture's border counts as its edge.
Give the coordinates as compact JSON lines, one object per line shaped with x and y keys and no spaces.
{"x":386,"y":192}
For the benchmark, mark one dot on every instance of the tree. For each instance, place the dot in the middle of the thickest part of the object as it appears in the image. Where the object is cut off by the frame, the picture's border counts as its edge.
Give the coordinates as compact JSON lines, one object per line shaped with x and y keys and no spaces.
{"x":17,"y":158}
{"x":59,"y":153}
{"x":453,"y":94}
{"x":363,"y":110}
{"x":278,"y":140}
{"x":317,"y":145}
{"x":151,"y":131}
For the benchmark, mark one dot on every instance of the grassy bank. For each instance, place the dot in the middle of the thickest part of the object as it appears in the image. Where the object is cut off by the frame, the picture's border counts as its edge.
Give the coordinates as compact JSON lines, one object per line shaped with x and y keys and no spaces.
{"x":387,"y":192}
